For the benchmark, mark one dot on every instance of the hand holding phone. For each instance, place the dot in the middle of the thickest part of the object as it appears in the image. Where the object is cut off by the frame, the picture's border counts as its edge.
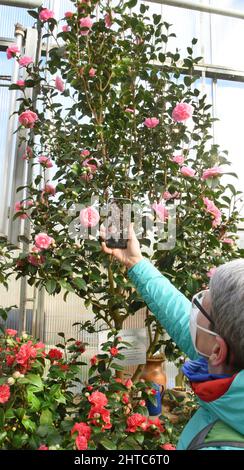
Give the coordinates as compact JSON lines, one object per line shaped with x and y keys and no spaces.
{"x":117,"y":223}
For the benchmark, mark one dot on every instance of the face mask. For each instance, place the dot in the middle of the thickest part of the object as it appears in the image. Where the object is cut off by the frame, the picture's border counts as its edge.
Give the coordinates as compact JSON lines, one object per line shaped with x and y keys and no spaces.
{"x":193,"y":330}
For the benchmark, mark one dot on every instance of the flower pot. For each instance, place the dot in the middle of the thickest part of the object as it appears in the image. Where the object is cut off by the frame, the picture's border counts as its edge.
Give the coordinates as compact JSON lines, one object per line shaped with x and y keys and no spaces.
{"x":153,"y":372}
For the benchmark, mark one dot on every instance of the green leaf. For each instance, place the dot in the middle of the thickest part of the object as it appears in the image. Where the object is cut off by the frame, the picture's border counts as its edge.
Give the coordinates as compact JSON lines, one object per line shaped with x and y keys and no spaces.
{"x":51,"y":286}
{"x":29,"y":425}
{"x":46,"y":417}
{"x":2,"y":418}
{"x":80,"y":283}
{"x":108,"y":444}
{"x":33,"y":379}
{"x":33,"y":13}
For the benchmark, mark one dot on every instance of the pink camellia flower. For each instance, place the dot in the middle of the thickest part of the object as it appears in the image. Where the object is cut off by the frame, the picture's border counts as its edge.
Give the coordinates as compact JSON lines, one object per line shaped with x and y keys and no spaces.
{"x":81,"y":443}
{"x":212,"y":172}
{"x":28,"y":153}
{"x":89,"y":163}
{"x":178,"y":159}
{"x":142,"y":403}
{"x":29,"y":203}
{"x":213,"y":210}
{"x":25,"y":60}
{"x":130,"y":110}
{"x":20,"y":83}
{"x":12,"y":51}
{"x":11,"y":332}
{"x":228,"y":241}
{"x":43,"y":241}
{"x":69,"y":14}
{"x":211,"y":272}
{"x":65,"y":28}
{"x":98,"y":399}
{"x":36,"y":260}
{"x":108,"y":20}
{"x":89,"y":217}
{"x":135,"y":421}
{"x":85,"y":153}
{"x":167,"y":195}
{"x":28,"y":119}
{"x":49,"y":189}
{"x":114,"y":351}
{"x":168,"y":447}
{"x":155,"y":425}
{"x":182,"y":111}
{"x":150,"y":123}
{"x":19,"y":207}
{"x":59,"y":84}
{"x":4,"y":393}
{"x":92,"y":72}
{"x":85,"y":23}
{"x":94,"y":361}
{"x":46,"y":15}
{"x":43,"y":447}
{"x":161,"y":211}
{"x":187,"y":171}
{"x":45,"y":161}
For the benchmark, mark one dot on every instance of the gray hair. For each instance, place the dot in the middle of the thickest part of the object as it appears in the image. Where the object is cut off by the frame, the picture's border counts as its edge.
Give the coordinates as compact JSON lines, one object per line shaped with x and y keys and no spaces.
{"x":227,"y":296}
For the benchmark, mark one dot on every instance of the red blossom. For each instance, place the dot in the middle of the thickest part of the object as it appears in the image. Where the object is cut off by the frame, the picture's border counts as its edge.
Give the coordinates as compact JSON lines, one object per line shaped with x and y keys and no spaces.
{"x":55,"y":354}
{"x":114,"y":351}
{"x":4,"y":393}
{"x":98,"y":399}
{"x":83,"y":430}
{"x":135,"y":421}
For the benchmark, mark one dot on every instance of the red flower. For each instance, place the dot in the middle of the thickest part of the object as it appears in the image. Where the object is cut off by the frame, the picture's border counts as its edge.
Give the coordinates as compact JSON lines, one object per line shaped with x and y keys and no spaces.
{"x":128,"y":383}
{"x":98,"y":399}
{"x":94,"y":361}
{"x":125,"y":398}
{"x":11,"y":332}
{"x":10,"y":360}
{"x":114,"y":351}
{"x":55,"y":354}
{"x":168,"y":447}
{"x":135,"y":421}
{"x":80,"y":346}
{"x":4,"y":393}
{"x":81,"y":443}
{"x":83,"y":430}
{"x":43,"y":447}
{"x":26,"y":353}
{"x":96,"y":413}
{"x":64,"y":367}
{"x":89,"y":388}
{"x":155,"y":424}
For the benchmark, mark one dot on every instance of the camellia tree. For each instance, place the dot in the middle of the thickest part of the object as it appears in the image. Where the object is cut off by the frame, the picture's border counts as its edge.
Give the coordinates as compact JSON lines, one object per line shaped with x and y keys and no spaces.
{"x":115,"y":115}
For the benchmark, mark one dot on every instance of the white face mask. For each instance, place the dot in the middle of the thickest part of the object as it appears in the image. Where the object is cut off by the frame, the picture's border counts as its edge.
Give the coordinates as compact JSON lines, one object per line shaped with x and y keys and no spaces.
{"x":193,"y":329}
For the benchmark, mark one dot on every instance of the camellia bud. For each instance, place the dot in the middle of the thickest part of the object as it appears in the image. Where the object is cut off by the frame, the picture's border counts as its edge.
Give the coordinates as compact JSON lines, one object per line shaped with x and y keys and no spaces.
{"x":16,"y":374}
{"x":87,"y":394}
{"x":11,"y":381}
{"x":25,"y":336}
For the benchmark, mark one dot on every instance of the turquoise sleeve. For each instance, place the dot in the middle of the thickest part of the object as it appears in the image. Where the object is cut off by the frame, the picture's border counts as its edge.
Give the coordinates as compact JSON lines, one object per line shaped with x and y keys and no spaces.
{"x":168,"y":304}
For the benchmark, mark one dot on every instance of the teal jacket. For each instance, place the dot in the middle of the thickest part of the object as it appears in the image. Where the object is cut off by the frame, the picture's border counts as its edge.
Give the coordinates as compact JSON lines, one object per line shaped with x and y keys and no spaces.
{"x":172,"y":309}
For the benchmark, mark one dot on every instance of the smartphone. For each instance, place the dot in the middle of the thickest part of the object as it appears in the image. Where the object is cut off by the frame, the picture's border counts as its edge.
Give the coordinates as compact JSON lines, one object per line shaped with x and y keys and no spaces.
{"x":119,"y":212}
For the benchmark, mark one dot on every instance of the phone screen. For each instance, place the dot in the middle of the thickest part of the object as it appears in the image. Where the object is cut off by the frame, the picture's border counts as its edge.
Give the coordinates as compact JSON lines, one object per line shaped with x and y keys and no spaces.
{"x":117,"y":222}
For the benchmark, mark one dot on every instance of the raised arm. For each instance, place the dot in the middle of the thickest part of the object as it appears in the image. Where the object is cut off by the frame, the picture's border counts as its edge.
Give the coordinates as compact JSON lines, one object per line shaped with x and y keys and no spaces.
{"x":169,"y":306}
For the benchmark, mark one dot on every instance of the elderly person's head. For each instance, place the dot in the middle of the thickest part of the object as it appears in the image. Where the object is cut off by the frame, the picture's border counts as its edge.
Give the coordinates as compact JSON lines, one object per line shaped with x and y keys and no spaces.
{"x":217,"y":320}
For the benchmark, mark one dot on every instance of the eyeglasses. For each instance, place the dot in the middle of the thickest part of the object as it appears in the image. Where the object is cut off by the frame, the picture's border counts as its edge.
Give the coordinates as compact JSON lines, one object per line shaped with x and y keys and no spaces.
{"x":197,"y":302}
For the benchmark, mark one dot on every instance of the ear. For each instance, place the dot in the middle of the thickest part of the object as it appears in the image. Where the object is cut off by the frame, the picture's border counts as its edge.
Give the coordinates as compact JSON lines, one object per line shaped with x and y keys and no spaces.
{"x":219,"y":352}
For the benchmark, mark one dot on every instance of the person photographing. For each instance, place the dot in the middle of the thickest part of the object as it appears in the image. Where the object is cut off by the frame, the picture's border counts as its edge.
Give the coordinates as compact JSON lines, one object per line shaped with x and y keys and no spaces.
{"x":210,"y":331}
